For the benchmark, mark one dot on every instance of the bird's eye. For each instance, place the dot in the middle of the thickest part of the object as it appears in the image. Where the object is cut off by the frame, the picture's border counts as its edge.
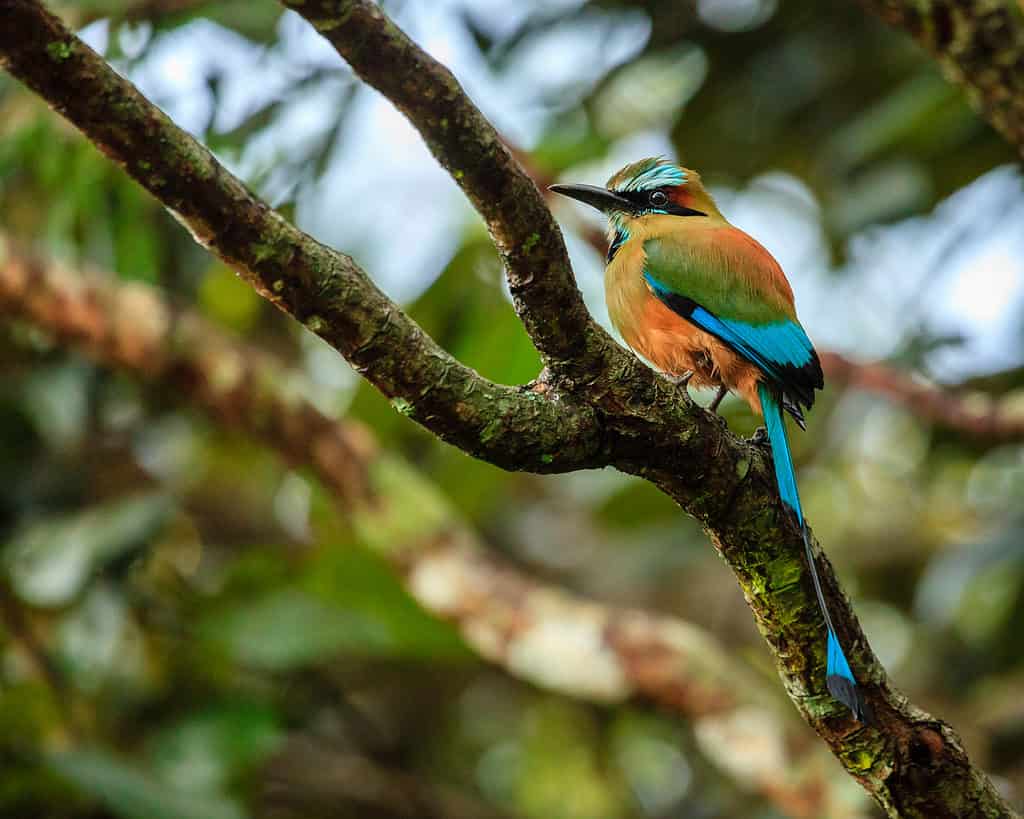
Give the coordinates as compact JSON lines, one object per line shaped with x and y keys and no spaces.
{"x":658,"y":198}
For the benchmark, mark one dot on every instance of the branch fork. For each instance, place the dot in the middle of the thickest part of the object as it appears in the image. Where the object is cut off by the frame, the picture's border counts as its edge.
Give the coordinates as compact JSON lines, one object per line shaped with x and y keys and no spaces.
{"x":594,"y":406}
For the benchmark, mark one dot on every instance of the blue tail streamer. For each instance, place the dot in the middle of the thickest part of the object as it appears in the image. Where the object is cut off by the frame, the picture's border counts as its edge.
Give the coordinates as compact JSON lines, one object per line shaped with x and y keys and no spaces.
{"x":839,"y":678}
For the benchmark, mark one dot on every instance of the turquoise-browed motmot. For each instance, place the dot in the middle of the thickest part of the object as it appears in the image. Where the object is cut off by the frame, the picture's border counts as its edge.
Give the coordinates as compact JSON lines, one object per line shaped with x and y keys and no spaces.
{"x":702,"y":300}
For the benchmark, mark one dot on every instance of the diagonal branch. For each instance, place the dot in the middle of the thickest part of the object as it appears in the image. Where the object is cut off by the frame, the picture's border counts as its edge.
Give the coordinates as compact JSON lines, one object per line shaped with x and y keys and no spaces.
{"x":604,"y":408}
{"x":978,"y":415}
{"x":980,"y":46}
{"x":535,"y":632}
{"x":323,"y":289}
{"x":471,"y":150}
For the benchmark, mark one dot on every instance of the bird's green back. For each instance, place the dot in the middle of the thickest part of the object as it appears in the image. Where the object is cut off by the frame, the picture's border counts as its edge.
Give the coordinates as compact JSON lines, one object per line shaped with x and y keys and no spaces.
{"x":723,"y":270}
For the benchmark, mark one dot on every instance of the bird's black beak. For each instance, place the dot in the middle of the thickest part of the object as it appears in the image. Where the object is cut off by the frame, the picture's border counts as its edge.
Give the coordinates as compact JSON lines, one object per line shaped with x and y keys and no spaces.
{"x":602,"y":199}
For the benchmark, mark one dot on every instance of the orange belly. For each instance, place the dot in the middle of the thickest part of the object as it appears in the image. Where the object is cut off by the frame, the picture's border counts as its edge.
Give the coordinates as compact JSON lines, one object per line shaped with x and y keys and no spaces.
{"x":675,"y":346}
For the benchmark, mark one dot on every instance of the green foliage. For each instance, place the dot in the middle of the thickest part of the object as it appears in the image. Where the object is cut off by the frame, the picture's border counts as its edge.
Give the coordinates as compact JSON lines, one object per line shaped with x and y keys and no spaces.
{"x":228,"y":300}
{"x":345,"y":603}
{"x":95,"y":212}
{"x":133,"y":794}
{"x":50,"y":561}
{"x":288,"y":629}
{"x":213,"y":747}
{"x":191,"y":629}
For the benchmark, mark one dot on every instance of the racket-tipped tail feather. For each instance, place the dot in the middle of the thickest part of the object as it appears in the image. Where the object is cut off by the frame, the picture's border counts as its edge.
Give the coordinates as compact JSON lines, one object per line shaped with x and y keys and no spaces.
{"x":839,"y":678}
{"x":841,"y":683}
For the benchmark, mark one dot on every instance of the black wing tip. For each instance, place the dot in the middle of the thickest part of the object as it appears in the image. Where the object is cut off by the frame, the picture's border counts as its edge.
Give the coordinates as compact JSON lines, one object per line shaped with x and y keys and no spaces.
{"x":798,"y":384}
{"x":814,"y":371}
{"x":795,"y":411}
{"x":849,"y":694}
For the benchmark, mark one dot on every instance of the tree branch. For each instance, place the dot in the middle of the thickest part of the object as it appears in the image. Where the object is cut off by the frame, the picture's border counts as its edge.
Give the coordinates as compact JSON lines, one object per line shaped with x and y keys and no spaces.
{"x":535,"y":632}
{"x":980,"y":46}
{"x":978,"y":415}
{"x":323,"y":289}
{"x":656,"y":433}
{"x":471,"y":150}
{"x":620,"y":413}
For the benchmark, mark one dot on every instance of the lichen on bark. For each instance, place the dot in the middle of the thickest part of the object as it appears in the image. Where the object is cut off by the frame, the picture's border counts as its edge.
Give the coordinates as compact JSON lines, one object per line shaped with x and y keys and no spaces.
{"x":979,"y":45}
{"x":594,"y":405}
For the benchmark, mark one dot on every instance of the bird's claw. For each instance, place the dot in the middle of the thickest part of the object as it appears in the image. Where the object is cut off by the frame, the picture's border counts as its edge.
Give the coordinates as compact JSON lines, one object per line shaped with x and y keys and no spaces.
{"x":760,"y":437}
{"x":713,"y":406}
{"x":679,"y":380}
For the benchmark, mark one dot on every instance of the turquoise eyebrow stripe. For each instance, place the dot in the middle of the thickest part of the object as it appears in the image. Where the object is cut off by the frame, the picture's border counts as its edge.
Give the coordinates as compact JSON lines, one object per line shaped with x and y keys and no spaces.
{"x":660,"y":175}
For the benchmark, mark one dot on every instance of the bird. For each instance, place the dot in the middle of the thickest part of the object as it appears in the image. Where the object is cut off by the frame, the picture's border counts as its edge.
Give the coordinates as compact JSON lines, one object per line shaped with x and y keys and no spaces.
{"x":709,"y":306}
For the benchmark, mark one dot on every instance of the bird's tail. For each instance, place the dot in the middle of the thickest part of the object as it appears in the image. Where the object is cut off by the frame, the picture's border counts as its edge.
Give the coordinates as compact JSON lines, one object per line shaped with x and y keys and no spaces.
{"x":839,"y":678}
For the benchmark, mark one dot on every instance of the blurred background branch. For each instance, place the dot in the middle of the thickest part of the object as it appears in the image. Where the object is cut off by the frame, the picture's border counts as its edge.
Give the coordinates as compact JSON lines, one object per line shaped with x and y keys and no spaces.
{"x":206,"y":609}
{"x":593,"y":405}
{"x":323,"y":289}
{"x":967,"y":409}
{"x":536,"y":632}
{"x":979,"y":45}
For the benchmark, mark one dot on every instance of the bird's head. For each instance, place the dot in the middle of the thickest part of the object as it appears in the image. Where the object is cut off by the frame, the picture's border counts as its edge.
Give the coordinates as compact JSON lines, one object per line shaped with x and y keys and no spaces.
{"x":644,"y":192}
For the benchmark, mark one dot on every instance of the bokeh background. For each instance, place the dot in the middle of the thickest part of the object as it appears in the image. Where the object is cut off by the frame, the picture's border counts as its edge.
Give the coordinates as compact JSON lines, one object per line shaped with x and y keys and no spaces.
{"x":191,"y":629}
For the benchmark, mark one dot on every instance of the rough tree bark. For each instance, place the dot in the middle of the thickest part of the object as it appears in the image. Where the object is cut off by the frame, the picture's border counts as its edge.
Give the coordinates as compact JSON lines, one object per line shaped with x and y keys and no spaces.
{"x":594,"y":404}
{"x":535,"y":632}
{"x":979,"y":44}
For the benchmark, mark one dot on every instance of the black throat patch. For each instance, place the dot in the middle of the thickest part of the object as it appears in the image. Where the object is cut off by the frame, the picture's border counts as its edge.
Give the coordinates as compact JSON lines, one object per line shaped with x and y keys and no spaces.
{"x":621,"y":235}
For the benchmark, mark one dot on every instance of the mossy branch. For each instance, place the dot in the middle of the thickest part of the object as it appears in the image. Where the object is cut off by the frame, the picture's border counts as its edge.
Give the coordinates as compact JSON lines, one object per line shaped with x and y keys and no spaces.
{"x":535,"y":632}
{"x":323,"y":289}
{"x":594,"y":404}
{"x":979,"y":44}
{"x":466,"y":144}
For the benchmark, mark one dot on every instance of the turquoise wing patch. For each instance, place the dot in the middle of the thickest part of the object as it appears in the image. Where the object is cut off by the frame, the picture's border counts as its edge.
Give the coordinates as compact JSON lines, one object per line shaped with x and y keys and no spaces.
{"x":781,"y":350}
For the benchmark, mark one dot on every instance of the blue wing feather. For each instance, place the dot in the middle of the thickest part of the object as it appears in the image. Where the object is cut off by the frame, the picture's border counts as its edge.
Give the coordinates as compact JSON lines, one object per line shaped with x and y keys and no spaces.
{"x":768,"y":345}
{"x":781,"y":350}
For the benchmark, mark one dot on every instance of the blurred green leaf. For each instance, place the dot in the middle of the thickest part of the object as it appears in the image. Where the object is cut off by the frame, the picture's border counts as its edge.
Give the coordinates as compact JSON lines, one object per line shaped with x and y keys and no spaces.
{"x":909,"y":108}
{"x":569,"y":141}
{"x":132,"y":793}
{"x":29,"y":715}
{"x":637,"y":503}
{"x":137,"y":247}
{"x":49,"y":561}
{"x":361,"y":581}
{"x":56,"y":400}
{"x":647,"y":750}
{"x":561,"y":776}
{"x":345,"y":603}
{"x":228,"y":300}
{"x":289,"y":629}
{"x":669,"y":79}
{"x":255,"y":20}
{"x":98,"y":643}
{"x":210,"y":748}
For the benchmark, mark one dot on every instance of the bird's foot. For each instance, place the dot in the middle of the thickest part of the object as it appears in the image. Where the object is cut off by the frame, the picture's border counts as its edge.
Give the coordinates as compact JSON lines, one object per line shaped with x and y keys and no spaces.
{"x":679,"y":380}
{"x":713,"y":406}
{"x":760,"y":437}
